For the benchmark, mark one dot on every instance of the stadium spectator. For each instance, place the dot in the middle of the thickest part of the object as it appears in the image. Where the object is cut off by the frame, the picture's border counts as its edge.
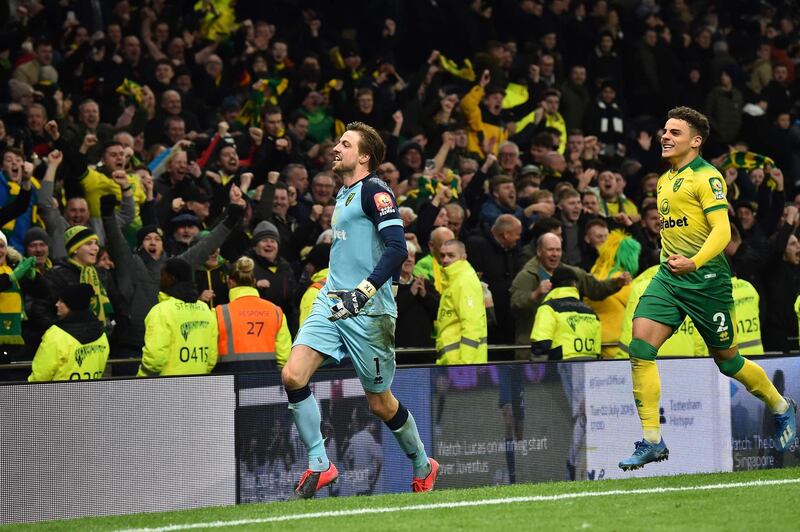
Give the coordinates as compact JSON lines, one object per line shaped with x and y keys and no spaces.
{"x":780,"y":284}
{"x":564,"y":327}
{"x":180,"y":331}
{"x":317,"y":271}
{"x":275,"y":279}
{"x":79,"y":267}
{"x":430,"y":266}
{"x":618,"y":256}
{"x":253,"y":334}
{"x":532,"y":284}
{"x":37,"y":245}
{"x":493,"y":254}
{"x":138,"y":273}
{"x":461,"y":320}
{"x":417,"y":305}
{"x":75,"y":347}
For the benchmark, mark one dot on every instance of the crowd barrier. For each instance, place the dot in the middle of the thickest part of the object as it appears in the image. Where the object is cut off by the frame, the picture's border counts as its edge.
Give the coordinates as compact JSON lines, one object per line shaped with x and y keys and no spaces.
{"x":123,"y":446}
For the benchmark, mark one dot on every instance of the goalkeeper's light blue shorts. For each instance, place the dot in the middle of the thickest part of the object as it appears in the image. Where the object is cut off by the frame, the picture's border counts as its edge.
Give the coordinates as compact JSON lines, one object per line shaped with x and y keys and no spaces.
{"x":367,"y":340}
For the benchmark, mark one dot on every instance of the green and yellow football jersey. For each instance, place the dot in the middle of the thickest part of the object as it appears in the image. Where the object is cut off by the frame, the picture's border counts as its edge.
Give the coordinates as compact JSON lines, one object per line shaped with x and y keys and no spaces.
{"x":685,"y":197}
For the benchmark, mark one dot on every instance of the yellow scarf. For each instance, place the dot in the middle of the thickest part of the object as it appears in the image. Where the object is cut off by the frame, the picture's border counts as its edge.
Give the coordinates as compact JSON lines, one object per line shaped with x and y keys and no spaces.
{"x":101,"y":305}
{"x":11,"y":313}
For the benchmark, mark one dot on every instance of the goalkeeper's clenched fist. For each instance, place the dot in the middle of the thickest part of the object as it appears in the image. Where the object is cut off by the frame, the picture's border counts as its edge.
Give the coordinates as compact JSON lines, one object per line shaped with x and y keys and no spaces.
{"x":351,"y":302}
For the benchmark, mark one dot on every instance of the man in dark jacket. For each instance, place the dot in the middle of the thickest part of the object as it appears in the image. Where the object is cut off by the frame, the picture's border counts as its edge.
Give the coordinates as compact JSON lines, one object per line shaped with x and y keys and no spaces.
{"x":274,"y":276}
{"x":532,"y":283}
{"x":417,"y":305}
{"x":138,"y":274}
{"x":781,"y":283}
{"x":493,"y":256}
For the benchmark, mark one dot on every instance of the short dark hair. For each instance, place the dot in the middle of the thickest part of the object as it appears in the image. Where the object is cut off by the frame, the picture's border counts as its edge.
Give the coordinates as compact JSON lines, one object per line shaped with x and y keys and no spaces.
{"x":647,"y":208}
{"x":545,"y":225}
{"x":173,"y":118}
{"x":600,"y":222}
{"x":370,"y":143}
{"x":543,"y":139}
{"x":294,"y":117}
{"x":111,"y":144}
{"x":563,"y":276}
{"x":696,"y":120}
{"x":273,"y":110}
{"x":11,"y":149}
{"x":500,"y":179}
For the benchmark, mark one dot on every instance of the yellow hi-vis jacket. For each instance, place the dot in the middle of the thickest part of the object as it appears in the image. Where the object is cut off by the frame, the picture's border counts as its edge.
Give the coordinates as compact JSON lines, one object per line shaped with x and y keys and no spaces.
{"x":684,"y":342}
{"x":565,"y":327}
{"x":517,"y":94}
{"x":461,"y":322}
{"x":307,"y":302}
{"x":611,"y":311}
{"x":62,"y":357}
{"x":180,"y":338}
{"x":748,"y":326}
{"x":797,"y":312}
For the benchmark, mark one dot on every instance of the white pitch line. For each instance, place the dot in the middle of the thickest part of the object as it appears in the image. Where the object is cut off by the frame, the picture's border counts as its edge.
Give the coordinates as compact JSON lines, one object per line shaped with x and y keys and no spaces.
{"x":463,"y":504}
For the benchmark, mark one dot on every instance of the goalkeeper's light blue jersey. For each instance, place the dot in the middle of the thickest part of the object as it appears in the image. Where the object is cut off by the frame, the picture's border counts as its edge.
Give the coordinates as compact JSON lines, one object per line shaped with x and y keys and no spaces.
{"x":361,"y":212}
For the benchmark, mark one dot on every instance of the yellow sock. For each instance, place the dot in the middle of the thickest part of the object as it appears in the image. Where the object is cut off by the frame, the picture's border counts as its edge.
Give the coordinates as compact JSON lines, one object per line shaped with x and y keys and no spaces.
{"x":647,"y":394}
{"x":756,"y":381}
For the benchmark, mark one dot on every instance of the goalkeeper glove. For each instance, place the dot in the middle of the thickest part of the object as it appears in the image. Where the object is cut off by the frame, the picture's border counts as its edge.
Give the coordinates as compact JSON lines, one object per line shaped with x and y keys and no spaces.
{"x":351,"y":302}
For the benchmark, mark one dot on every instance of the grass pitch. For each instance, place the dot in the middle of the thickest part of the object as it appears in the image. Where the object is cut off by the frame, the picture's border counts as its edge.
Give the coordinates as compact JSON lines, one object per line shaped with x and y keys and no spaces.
{"x":753,"y":500}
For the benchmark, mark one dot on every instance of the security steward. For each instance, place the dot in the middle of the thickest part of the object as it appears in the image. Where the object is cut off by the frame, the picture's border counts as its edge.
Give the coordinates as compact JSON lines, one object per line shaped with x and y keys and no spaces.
{"x":180,"y":331}
{"x":565,"y":327}
{"x":253,"y":334}
{"x":461,"y":321}
{"x":75,"y":347}
{"x":317,"y":268}
{"x":748,"y":327}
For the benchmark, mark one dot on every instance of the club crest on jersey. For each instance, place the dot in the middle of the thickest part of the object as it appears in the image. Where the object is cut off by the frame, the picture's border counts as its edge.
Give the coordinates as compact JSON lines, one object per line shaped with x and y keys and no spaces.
{"x":349,"y":199}
{"x":677,"y":185}
{"x":383,"y":202}
{"x":716,"y":188}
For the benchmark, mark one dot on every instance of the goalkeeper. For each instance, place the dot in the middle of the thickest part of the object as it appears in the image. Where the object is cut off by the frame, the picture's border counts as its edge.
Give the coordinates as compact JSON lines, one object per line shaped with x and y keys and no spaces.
{"x":354,"y":313}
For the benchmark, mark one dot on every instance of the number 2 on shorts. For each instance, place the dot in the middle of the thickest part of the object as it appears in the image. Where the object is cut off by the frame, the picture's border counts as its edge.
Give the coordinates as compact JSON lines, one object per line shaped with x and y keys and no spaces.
{"x":720,"y":317}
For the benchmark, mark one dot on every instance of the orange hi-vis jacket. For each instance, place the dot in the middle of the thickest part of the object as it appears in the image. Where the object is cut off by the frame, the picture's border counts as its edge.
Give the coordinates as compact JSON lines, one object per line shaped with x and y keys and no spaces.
{"x":252,"y":328}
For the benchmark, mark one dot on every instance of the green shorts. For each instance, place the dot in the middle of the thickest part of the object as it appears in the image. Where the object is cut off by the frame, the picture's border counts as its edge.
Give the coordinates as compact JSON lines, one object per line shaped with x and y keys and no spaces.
{"x":711,"y":309}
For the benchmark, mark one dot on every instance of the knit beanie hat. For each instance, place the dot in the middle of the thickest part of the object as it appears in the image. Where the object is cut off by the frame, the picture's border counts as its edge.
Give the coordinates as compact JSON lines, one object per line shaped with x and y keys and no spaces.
{"x":77,"y":296}
{"x":76,"y":236}
{"x":319,"y":256}
{"x":35,"y":234}
{"x":264,"y":230}
{"x":146,"y":230}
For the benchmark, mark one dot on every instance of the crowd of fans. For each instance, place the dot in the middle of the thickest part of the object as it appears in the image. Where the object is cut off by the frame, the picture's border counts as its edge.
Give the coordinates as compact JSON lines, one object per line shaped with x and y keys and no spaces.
{"x":205,"y":130}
